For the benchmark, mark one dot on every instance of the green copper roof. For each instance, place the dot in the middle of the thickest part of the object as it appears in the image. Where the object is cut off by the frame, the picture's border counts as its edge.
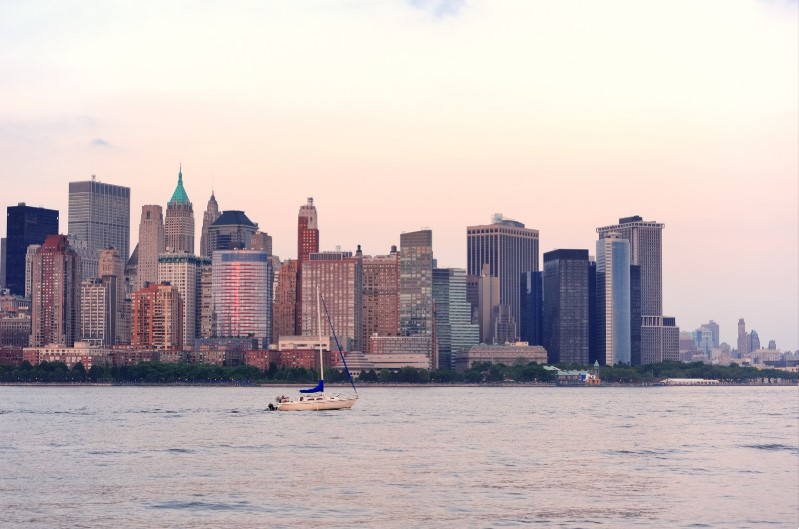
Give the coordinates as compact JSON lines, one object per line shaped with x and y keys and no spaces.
{"x":180,"y":196}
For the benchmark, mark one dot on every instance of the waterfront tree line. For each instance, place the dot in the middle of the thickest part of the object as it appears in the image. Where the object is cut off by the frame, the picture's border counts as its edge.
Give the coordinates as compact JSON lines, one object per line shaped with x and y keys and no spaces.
{"x":485,"y":373}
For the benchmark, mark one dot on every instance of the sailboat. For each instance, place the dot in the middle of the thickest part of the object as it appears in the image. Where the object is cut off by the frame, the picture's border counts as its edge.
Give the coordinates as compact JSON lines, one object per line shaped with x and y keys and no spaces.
{"x":315,"y":398}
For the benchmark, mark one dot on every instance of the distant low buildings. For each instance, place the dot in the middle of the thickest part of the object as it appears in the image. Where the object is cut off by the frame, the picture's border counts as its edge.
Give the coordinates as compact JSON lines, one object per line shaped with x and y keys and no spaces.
{"x":509,"y":354}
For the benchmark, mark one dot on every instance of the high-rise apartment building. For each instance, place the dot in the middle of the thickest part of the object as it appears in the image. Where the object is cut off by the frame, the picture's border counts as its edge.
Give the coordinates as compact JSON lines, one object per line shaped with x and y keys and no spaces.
{"x":157,"y":319}
{"x":531,"y":324}
{"x":566,"y":298}
{"x":152,"y":241}
{"x":99,"y":215}
{"x":33,"y":249}
{"x":55,"y":284}
{"x":509,"y":249}
{"x":635,"y":315}
{"x":98,"y":316}
{"x":338,"y":277}
{"x":455,"y":332}
{"x":307,"y":243}
{"x":242,"y":294}
{"x":416,"y":287}
{"x":179,"y":221}
{"x":184,"y":272}
{"x":233,"y":230}
{"x":25,"y":225}
{"x":209,"y":217}
{"x":285,"y":303}
{"x":380,"y":315}
{"x":613,"y":299}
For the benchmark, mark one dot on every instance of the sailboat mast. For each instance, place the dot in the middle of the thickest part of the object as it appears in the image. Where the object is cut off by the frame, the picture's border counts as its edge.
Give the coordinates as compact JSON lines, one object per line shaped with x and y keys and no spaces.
{"x":319,"y":324}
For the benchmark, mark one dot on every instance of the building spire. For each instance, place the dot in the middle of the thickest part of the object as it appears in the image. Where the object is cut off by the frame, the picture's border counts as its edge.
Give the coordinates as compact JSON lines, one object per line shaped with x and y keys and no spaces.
{"x":180,"y":196}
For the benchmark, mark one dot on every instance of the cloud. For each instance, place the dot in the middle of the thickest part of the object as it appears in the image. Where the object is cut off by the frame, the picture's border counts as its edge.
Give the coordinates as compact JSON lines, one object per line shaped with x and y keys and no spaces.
{"x":99,"y":142}
{"x":439,"y":8}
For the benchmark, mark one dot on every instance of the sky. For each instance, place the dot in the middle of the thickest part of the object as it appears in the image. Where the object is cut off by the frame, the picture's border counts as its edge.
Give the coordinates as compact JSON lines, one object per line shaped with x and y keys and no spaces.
{"x":401,"y":114}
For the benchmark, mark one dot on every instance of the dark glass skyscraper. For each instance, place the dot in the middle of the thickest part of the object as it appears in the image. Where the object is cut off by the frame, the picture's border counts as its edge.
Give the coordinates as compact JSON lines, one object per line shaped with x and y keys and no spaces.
{"x":566,"y":329}
{"x":25,"y":225}
{"x":531,"y":324}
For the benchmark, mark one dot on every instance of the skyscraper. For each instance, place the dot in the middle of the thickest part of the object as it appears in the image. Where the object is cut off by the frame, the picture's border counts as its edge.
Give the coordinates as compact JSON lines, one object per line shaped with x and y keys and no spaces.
{"x":183,"y":271}
{"x":112,"y":272}
{"x":509,"y":249}
{"x":339,"y":276}
{"x":285,"y":304}
{"x":743,"y":339}
{"x":645,"y":238}
{"x":380,"y":313}
{"x":209,"y":217}
{"x":488,"y":305}
{"x":307,"y":243}
{"x":455,"y":331}
{"x":531,"y":325}
{"x":233,"y":230}
{"x":99,"y":215}
{"x":179,"y":222}
{"x":242,"y":294}
{"x":157,"y":320}
{"x":416,"y":286}
{"x":151,"y":244}
{"x":55,"y":283}
{"x":613,"y":299}
{"x":566,"y":298}
{"x":646,"y":251}
{"x":98,"y":310}
{"x":25,"y":225}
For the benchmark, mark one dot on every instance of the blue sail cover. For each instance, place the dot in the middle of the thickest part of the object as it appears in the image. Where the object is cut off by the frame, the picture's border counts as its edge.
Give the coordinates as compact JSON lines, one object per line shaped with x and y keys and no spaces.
{"x":319,"y":387}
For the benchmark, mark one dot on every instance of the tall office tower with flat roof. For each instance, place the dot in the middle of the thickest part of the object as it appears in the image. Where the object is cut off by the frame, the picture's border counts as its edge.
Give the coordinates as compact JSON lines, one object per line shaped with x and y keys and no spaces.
{"x":99,"y":215}
{"x":25,"y":225}
{"x":646,"y":251}
{"x":509,"y":249}
{"x":179,"y":221}
{"x":184,"y":272}
{"x":55,"y":284}
{"x":613,"y":299}
{"x":566,"y":315}
{"x":455,"y":331}
{"x":659,"y":334}
{"x":151,"y":244}
{"x":209,"y":217}
{"x":531,"y":325}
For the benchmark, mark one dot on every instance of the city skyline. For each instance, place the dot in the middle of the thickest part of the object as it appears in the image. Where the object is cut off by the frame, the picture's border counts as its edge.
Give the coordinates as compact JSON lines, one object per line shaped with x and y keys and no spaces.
{"x":437,"y":114}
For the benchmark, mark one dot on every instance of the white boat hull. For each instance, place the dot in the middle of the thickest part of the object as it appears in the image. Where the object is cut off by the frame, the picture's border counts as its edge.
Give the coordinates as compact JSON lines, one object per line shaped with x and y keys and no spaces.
{"x":316,"y":403}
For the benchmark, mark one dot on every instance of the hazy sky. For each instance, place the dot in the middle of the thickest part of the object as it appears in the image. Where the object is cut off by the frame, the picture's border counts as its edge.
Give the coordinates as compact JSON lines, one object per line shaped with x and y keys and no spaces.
{"x":396,"y":115}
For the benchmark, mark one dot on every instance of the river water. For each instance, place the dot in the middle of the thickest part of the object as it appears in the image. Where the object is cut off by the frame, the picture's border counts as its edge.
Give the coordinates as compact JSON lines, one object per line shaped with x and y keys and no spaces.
{"x":718,"y":457}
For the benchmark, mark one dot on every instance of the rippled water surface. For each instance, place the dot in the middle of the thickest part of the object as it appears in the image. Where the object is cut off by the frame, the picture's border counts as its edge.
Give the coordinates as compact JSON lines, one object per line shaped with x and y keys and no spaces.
{"x":719,"y":457}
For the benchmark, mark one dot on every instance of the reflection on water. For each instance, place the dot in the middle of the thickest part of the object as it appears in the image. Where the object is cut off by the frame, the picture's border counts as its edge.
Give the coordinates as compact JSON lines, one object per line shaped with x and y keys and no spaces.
{"x":404,"y":457}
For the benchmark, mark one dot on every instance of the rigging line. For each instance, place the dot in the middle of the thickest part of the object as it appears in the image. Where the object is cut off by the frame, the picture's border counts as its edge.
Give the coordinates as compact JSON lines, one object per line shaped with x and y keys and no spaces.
{"x":338,"y":345}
